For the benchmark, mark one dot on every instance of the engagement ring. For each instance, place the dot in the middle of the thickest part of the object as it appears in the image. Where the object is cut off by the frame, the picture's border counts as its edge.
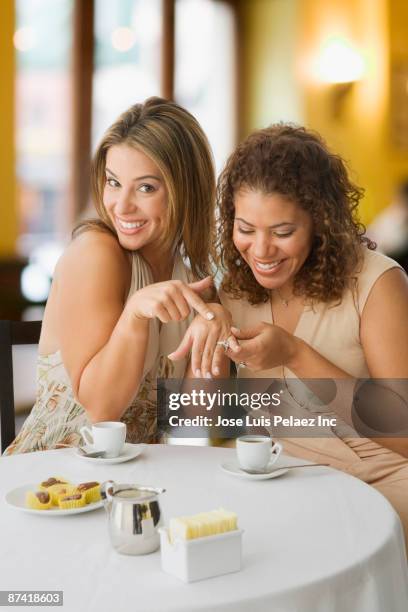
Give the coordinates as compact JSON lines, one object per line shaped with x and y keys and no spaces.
{"x":224,"y":343}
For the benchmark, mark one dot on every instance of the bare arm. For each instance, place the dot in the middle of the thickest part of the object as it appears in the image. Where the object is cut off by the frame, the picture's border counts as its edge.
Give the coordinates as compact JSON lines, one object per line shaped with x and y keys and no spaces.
{"x":384,"y":337}
{"x":102,"y":339}
{"x":103,"y":346}
{"x":305,"y":362}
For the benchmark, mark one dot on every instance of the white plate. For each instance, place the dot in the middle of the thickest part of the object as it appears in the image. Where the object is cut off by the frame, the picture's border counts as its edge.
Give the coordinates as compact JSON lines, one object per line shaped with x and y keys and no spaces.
{"x":232,"y":468}
{"x":17,"y":499}
{"x":130,"y":451}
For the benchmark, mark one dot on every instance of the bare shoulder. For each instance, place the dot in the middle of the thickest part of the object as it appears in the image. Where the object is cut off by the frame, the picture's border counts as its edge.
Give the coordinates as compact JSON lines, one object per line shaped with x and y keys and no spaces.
{"x":385,"y":313}
{"x":384,"y":326}
{"x":94,"y":245}
{"x":95,"y":252}
{"x":390,"y":290}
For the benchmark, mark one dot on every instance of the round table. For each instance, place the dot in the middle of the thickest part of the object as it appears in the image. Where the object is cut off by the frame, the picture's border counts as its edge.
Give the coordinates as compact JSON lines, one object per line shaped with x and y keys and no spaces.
{"x":315,"y":540}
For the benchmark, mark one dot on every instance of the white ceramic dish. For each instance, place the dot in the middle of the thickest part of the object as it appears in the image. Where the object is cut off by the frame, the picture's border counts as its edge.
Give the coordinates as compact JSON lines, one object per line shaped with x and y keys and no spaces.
{"x":17,"y":499}
{"x":232,"y":468}
{"x":201,"y":558}
{"x":130,"y":451}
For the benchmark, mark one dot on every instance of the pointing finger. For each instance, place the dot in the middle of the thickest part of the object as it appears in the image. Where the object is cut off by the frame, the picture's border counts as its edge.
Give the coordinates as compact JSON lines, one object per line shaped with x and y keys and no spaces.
{"x":197,"y":303}
{"x":183,"y":348}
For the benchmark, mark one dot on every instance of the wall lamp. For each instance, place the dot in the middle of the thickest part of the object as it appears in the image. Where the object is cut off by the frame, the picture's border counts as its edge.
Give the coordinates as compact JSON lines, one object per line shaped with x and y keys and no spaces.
{"x":339,"y":66}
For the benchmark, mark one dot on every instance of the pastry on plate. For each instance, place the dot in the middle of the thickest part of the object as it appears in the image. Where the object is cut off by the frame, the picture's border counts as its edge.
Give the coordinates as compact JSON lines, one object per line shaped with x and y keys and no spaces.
{"x":91,"y":490}
{"x":68,"y":502}
{"x":51,"y":482}
{"x":55,"y":485}
{"x":38,"y":500}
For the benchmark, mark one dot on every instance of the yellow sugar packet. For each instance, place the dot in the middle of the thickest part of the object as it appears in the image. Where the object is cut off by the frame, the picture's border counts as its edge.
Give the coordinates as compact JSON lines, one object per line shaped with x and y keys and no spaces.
{"x":202,"y":525}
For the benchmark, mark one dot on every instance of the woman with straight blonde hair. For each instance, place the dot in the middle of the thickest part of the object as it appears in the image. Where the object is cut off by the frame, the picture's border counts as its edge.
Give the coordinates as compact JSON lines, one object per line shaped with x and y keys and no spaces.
{"x":122,"y":296}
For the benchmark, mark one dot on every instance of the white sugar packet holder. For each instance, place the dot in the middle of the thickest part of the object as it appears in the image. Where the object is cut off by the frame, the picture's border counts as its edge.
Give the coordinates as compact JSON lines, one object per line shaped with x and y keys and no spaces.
{"x":203,"y":557}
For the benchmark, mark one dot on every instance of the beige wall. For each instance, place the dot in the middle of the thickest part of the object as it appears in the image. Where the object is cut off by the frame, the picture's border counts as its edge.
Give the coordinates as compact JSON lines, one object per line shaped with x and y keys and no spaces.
{"x":269,"y":87}
{"x":282,"y":40}
{"x":8,"y":215}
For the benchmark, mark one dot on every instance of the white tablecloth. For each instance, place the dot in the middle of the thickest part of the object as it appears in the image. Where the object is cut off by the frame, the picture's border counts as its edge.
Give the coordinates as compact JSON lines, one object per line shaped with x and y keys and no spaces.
{"x":315,"y":540}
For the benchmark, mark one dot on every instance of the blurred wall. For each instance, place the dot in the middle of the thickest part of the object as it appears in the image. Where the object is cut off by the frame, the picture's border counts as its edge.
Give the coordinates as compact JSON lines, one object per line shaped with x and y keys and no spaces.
{"x":8,"y":213}
{"x":361,"y":133}
{"x":281,"y":40}
{"x":269,"y":88}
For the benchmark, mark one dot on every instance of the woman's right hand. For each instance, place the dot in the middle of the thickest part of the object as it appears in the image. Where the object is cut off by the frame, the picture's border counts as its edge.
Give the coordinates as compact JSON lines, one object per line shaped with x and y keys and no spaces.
{"x":171,"y":300}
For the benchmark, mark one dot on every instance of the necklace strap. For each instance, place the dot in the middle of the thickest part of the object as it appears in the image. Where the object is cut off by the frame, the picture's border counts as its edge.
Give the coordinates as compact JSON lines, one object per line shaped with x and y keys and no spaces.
{"x":284,"y":301}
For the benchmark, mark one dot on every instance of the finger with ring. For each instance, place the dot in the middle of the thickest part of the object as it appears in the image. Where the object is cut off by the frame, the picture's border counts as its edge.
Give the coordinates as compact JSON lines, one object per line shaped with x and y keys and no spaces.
{"x":224,"y":344}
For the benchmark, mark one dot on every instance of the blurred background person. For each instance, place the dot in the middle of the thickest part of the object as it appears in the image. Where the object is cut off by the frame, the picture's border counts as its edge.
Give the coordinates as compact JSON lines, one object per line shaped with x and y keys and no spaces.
{"x":390,"y":228}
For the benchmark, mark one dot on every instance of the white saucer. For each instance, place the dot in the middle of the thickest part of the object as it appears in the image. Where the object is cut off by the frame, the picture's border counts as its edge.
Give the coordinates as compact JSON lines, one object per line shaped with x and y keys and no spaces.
{"x":17,"y":499}
{"x":130,"y":451}
{"x":232,"y":468}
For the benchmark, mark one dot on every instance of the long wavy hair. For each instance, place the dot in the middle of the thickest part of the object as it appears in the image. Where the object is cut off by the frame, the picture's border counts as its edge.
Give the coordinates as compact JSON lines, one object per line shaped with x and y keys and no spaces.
{"x":296,"y":163}
{"x":171,"y":137}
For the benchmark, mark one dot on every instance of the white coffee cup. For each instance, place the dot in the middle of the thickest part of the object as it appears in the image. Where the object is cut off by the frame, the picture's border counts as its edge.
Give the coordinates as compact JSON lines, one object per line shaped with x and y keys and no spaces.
{"x":257,"y":452}
{"x":108,"y":436}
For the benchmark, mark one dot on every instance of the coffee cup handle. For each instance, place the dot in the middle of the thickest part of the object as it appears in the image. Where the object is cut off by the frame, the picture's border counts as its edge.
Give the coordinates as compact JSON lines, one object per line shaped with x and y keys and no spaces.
{"x":86,"y":433}
{"x":276,"y":450}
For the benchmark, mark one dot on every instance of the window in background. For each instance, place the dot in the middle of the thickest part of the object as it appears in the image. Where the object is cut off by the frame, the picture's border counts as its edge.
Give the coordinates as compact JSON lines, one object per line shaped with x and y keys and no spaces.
{"x":127,"y":58}
{"x":205,"y":69}
{"x":43,"y":40}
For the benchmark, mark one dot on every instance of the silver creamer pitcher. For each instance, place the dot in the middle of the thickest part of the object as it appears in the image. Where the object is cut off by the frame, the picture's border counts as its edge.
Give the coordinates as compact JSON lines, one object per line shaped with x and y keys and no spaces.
{"x":134,"y":517}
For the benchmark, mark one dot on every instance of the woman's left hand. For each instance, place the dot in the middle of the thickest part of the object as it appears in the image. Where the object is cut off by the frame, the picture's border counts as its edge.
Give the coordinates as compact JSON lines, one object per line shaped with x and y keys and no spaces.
{"x":263,"y":346}
{"x":202,"y":338}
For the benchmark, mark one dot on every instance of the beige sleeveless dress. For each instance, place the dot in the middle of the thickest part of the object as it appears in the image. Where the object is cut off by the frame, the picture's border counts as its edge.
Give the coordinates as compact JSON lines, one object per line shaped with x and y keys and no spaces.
{"x":56,"y":418}
{"x":334,"y":331}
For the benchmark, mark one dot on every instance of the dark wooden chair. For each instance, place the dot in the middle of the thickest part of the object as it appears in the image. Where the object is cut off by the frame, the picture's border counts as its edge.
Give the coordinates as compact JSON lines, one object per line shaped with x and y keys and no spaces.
{"x":12,"y":333}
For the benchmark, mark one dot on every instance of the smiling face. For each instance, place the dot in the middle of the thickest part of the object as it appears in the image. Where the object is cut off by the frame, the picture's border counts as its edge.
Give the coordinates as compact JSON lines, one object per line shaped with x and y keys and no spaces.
{"x":135,"y":198}
{"x":273,"y":235}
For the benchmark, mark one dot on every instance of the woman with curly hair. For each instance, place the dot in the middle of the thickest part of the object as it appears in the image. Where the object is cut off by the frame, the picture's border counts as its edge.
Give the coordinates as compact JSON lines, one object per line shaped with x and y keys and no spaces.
{"x":309,"y":295}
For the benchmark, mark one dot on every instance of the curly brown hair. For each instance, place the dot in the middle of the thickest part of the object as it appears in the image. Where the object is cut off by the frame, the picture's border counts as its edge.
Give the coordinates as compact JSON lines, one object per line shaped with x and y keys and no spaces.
{"x":296,"y":163}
